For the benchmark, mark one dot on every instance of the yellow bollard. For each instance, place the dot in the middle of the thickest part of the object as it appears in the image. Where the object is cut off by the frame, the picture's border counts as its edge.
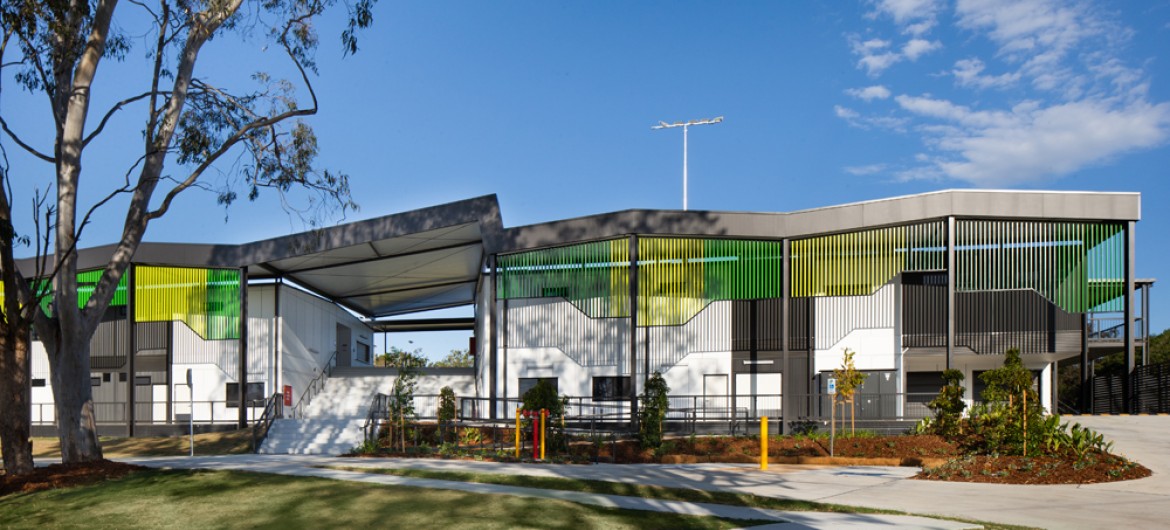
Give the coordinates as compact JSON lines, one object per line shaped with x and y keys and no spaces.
{"x":517,"y":433}
{"x":543,"y":431}
{"x":764,"y":443}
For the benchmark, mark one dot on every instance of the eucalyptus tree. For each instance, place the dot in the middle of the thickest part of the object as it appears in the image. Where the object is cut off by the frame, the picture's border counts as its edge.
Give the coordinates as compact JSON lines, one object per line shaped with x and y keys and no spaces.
{"x":190,"y":126}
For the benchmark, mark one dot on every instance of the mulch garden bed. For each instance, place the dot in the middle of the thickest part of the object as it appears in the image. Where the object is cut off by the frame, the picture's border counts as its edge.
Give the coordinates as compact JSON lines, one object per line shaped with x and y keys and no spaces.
{"x":1093,"y":469}
{"x":64,"y":476}
{"x":940,"y":459}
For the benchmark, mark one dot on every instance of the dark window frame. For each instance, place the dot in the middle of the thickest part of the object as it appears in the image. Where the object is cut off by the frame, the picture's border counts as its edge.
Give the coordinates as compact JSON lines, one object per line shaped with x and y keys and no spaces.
{"x":524,"y":384}
{"x":254,"y":393}
{"x":611,"y":387}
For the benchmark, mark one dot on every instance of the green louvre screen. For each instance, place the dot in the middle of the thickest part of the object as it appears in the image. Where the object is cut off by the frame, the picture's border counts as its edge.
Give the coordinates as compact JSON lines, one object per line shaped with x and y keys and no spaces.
{"x":677,"y":277}
{"x":207,"y":300}
{"x":860,"y":263}
{"x":1080,"y":267}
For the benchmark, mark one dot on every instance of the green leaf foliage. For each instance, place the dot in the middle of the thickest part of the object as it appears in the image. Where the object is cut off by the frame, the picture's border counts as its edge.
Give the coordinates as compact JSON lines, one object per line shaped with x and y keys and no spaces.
{"x":654,"y":406}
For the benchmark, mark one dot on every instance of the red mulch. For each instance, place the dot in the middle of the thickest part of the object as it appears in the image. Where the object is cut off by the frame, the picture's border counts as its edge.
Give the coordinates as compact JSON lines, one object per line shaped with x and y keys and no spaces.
{"x":925,"y":450}
{"x":64,"y":476}
{"x":1100,"y":467}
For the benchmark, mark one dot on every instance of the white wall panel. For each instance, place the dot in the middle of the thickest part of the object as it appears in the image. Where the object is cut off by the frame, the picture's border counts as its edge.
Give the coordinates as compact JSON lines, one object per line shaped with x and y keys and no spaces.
{"x":838,"y":316}
{"x":308,"y":330}
{"x":557,"y":323}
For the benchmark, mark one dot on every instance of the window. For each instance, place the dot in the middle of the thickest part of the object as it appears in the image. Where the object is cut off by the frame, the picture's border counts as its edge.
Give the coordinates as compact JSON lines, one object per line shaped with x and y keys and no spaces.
{"x":142,"y":380}
{"x":38,"y":382}
{"x":611,"y":388}
{"x":95,"y":381}
{"x":527,"y":383}
{"x":363,"y":353}
{"x":255,"y":393}
{"x":106,"y":377}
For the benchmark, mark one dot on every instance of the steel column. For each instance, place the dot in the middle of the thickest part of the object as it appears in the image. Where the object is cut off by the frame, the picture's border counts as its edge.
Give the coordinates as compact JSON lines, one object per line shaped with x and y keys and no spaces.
{"x":633,"y":332}
{"x":950,"y":316}
{"x":243,"y":411}
{"x":786,"y":371}
{"x":1086,"y":403}
{"x":493,"y":346}
{"x":132,"y":324}
{"x":1129,"y":343}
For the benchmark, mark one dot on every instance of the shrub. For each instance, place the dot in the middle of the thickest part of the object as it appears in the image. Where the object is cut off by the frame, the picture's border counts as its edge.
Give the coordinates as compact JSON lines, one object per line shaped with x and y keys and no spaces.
{"x":1011,"y":421}
{"x":948,"y":406}
{"x":655,"y":405}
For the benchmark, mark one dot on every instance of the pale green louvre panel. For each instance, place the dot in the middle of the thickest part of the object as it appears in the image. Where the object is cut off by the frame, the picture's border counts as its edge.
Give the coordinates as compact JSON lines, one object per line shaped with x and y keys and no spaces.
{"x":677,"y":277}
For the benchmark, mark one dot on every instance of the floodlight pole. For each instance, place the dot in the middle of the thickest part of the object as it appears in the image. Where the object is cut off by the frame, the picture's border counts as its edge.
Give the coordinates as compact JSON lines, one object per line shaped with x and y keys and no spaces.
{"x":685,"y":126}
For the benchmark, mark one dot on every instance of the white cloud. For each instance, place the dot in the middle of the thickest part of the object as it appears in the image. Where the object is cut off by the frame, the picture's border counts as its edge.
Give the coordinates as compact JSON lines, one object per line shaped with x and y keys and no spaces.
{"x":1033,"y":142}
{"x":1040,"y":38}
{"x":915,"y":48}
{"x":877,"y":55}
{"x":865,"y":170}
{"x":856,"y":119}
{"x":869,"y":93}
{"x":916,"y":17}
{"x":1069,"y":100}
{"x":969,"y":73}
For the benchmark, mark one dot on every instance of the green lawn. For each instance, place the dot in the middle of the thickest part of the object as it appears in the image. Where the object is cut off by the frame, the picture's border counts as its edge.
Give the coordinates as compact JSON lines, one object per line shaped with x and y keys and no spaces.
{"x":213,"y":443}
{"x":639,"y":490}
{"x":230,"y":499}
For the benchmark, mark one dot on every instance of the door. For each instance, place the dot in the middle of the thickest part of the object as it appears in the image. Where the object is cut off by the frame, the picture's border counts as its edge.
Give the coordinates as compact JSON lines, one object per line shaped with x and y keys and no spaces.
{"x":344,"y":355}
{"x":715,"y":402}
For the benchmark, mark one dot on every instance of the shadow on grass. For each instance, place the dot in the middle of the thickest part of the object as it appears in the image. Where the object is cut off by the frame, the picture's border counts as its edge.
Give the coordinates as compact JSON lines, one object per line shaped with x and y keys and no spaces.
{"x":229,"y":499}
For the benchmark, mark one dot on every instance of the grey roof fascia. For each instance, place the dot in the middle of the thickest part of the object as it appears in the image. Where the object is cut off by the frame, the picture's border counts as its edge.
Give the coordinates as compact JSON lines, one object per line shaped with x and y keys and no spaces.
{"x":483,"y":210}
{"x":994,"y":204}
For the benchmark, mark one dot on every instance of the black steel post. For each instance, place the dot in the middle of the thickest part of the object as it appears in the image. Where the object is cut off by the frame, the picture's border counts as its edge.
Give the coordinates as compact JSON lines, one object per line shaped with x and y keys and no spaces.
{"x":1127,"y":383}
{"x":131,"y":389}
{"x":950,"y":292}
{"x":243,"y":368}
{"x":633,"y":332}
{"x":493,"y":359}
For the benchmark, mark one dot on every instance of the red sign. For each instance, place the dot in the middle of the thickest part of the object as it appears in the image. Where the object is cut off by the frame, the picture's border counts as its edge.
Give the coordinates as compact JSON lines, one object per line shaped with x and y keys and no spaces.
{"x":288,"y":395}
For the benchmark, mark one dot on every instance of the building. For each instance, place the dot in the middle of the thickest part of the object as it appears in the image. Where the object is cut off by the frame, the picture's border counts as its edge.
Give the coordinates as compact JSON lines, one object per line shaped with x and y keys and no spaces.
{"x":742,"y":313}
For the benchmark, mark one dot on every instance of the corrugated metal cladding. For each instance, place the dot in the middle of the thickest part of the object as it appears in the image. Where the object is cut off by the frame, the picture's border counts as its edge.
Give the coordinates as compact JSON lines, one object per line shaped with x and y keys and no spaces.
{"x":677,"y":277}
{"x":859,"y":263}
{"x":993,"y":322}
{"x":556,"y":323}
{"x":1077,"y":266}
{"x":190,"y":348}
{"x":708,"y":331}
{"x":109,"y":345}
{"x":208,"y":300}
{"x":987,"y":321}
{"x":756,"y":325}
{"x":837,"y":316}
{"x":800,"y":318}
{"x":924,"y":310}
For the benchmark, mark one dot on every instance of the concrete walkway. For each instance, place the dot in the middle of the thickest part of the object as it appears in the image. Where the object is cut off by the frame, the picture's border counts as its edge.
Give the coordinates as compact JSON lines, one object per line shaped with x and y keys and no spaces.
{"x":304,"y":465}
{"x":1141,"y":503}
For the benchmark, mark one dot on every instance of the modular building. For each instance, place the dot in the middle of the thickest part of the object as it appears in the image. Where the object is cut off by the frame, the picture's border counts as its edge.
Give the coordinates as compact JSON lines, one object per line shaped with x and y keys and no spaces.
{"x":744,"y":314}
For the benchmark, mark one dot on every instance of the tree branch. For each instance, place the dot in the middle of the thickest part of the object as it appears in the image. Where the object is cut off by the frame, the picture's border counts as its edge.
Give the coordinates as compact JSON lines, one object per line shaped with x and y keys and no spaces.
{"x":110,"y":113}
{"x":31,"y":150}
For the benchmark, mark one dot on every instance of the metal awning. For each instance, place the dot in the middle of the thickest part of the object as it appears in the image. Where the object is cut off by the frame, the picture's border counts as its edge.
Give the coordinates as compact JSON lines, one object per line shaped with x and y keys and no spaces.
{"x":402,"y":263}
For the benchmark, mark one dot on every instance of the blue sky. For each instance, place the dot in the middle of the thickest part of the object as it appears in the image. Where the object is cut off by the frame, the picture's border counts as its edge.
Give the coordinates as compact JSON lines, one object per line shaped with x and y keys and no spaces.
{"x":549,"y":105}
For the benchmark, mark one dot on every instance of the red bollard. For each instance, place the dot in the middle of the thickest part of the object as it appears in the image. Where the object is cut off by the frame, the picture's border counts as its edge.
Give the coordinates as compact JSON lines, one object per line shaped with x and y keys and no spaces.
{"x":535,"y":439}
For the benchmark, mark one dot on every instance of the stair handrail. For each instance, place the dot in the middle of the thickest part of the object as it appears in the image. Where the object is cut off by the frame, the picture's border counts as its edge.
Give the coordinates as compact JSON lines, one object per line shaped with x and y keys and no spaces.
{"x":315,"y":387}
{"x":272,"y":410}
{"x":379,"y":409}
